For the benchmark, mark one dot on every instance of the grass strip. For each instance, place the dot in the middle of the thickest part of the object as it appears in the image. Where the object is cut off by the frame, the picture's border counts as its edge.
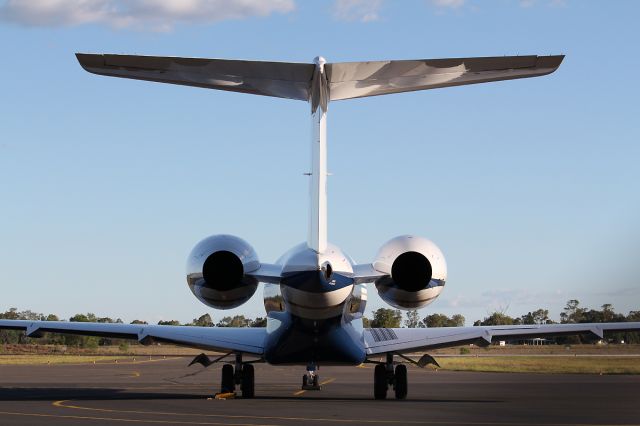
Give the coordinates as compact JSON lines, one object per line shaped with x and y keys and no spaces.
{"x":541,"y":364}
{"x":58,"y":359}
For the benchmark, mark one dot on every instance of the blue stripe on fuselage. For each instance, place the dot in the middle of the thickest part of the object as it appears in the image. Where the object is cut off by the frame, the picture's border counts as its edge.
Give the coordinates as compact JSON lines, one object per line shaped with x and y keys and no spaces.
{"x":315,"y":281}
{"x":293,"y":340}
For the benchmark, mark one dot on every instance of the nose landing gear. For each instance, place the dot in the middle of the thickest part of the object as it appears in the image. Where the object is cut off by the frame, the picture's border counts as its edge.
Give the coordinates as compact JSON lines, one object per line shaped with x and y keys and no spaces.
{"x":384,"y":376}
{"x":311,"y":379}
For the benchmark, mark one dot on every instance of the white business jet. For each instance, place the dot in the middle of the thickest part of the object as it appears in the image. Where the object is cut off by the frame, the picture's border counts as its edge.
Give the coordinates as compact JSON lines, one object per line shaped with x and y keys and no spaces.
{"x":315,"y":294}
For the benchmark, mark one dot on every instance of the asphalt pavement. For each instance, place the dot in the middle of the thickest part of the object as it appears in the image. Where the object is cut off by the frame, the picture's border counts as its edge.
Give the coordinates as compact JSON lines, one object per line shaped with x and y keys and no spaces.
{"x":166,"y":391}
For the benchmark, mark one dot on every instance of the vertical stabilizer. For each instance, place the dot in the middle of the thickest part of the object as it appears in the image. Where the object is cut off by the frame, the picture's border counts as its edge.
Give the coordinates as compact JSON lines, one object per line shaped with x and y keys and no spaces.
{"x":319,"y":99}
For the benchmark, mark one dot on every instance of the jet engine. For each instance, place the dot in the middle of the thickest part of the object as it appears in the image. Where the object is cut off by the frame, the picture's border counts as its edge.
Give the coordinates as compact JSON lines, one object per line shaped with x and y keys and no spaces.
{"x":216,"y":271}
{"x":416,"y":272}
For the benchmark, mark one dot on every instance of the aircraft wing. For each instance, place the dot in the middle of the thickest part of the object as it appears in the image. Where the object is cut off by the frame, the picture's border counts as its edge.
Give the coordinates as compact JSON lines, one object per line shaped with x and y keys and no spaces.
{"x":247,"y":340}
{"x":383,"y":340}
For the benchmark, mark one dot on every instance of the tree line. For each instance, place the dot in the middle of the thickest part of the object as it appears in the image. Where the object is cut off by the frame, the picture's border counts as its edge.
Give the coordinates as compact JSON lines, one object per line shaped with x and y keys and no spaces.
{"x":382,"y":318}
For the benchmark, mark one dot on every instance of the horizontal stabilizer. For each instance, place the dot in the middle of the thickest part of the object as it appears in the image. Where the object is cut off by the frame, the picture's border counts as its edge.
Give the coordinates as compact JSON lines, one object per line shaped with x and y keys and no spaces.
{"x":349,"y":80}
{"x":279,"y":79}
{"x":346,"y":80}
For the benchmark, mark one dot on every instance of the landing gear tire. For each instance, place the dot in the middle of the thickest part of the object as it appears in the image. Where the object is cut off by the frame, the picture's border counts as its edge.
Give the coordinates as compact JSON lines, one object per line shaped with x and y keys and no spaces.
{"x":380,"y":382}
{"x":305,"y":381}
{"x":316,"y":378}
{"x":401,"y":384}
{"x":227,"y":384}
{"x":247,"y":386}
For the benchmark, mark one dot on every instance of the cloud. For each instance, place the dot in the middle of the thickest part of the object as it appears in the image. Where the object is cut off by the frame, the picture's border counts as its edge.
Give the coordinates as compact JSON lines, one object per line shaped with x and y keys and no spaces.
{"x":448,"y":4}
{"x":157,"y":15}
{"x":357,"y":10}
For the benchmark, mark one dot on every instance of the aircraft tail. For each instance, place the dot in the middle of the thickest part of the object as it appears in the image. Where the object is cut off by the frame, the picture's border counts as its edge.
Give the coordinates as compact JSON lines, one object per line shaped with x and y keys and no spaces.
{"x":319,"y":83}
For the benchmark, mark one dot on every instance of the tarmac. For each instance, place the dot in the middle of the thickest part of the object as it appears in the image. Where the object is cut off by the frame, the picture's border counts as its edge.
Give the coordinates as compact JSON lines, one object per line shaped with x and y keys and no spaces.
{"x":166,"y":391}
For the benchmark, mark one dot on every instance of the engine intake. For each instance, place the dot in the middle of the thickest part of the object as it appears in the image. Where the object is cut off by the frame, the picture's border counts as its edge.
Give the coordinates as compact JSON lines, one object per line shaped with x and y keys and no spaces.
{"x":411,"y":271}
{"x":416,"y":272}
{"x":223,"y":270}
{"x":216,"y":271}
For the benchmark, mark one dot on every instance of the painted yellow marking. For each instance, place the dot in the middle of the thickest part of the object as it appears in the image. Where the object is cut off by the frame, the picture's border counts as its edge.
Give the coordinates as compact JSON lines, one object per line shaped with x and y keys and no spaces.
{"x":300,"y":392}
{"x":115,"y":419}
{"x":225,"y":395}
{"x":309,"y":419}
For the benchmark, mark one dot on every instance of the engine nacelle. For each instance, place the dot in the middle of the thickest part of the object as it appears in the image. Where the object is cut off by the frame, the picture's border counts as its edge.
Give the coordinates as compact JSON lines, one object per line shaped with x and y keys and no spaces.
{"x":216,"y":271}
{"x":417,"y":272}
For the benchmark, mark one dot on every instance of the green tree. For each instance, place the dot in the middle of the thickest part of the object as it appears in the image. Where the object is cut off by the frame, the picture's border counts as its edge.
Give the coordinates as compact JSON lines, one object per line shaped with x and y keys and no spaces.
{"x":607,"y":312}
{"x":386,"y":318}
{"x":441,"y":320}
{"x":169,"y":322}
{"x":138,"y":322}
{"x":11,"y":314}
{"x":496,"y":318}
{"x":413,"y":319}
{"x":11,"y":336}
{"x":235,"y":321}
{"x":203,"y":321}
{"x":88,"y":317}
{"x":435,"y":320}
{"x":259,"y":322}
{"x":82,"y":341}
{"x":573,"y":313}
{"x":366,"y":322}
{"x":632,"y":337}
{"x":540,"y":316}
{"x":457,"y":321}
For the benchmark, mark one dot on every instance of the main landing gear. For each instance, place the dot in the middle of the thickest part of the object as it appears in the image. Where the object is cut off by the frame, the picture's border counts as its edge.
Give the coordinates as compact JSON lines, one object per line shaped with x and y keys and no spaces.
{"x":385,"y":376}
{"x":311,"y":379}
{"x":242,"y":374}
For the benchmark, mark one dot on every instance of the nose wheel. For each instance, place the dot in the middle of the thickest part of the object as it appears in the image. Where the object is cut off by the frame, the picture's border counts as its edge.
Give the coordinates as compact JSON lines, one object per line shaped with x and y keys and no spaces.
{"x":311,"y":379}
{"x":385,"y":376}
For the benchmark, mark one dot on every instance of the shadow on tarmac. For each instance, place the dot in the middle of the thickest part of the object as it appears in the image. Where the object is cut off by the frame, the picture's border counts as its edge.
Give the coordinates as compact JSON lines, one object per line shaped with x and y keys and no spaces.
{"x":79,"y":394}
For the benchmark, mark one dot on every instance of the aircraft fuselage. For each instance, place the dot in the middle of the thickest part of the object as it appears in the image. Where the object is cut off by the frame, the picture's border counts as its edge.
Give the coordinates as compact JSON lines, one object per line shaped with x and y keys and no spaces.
{"x":315,"y":314}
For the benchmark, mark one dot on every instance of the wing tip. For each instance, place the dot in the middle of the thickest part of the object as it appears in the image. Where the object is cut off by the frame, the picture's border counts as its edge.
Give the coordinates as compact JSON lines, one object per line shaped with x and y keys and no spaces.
{"x":90,"y":61}
{"x":551,"y":62}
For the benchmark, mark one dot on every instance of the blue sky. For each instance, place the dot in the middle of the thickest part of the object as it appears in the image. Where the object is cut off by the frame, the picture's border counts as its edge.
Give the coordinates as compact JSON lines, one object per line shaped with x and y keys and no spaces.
{"x":530,"y":187}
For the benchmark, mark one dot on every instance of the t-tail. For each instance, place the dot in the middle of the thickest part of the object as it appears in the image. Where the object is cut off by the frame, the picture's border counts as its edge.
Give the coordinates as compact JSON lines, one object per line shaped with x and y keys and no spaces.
{"x":319,"y":83}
